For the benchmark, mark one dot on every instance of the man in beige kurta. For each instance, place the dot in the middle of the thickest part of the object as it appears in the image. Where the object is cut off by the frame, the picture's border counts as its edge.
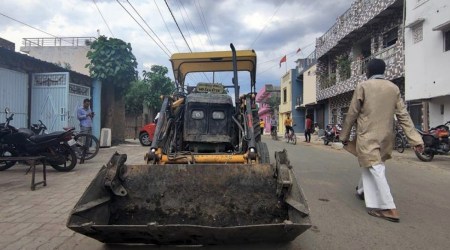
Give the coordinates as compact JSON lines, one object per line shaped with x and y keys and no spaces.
{"x":373,"y":106}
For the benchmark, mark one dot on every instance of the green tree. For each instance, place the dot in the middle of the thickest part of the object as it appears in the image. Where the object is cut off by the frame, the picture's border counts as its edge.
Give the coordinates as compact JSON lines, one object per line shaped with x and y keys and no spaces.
{"x":274,"y":103}
{"x":134,"y":98}
{"x":147,"y":92}
{"x":113,"y":63}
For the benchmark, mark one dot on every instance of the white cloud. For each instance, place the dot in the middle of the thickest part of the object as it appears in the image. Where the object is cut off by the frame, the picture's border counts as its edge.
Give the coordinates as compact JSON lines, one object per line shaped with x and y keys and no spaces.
{"x":296,"y":24}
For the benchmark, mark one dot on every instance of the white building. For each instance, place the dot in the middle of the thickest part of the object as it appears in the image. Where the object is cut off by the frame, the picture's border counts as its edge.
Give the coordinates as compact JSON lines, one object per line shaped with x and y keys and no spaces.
{"x":67,"y":52}
{"x":427,"y":59}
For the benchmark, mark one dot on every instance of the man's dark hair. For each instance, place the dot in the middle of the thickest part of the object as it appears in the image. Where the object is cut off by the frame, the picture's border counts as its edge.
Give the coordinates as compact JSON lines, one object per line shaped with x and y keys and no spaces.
{"x":86,"y":100}
{"x":375,"y":67}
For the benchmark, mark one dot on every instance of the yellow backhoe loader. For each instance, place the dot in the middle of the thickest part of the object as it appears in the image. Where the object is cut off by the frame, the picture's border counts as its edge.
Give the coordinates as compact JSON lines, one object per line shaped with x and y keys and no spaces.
{"x":207,"y":178}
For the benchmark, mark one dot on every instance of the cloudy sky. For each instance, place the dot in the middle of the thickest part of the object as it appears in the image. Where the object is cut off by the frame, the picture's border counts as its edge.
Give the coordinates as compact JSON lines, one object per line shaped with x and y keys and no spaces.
{"x":273,"y":28}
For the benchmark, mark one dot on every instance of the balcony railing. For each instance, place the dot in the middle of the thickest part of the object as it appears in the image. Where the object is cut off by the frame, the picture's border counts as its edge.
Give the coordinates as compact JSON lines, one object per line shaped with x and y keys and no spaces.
{"x":361,"y":12}
{"x":58,"y":41}
{"x":388,"y":55}
{"x":330,"y":86}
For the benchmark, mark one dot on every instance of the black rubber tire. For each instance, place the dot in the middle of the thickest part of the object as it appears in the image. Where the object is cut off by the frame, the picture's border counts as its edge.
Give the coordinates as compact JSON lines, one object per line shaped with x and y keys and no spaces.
{"x":93,"y":149}
{"x":263,"y":152}
{"x":399,"y":144}
{"x":425,"y":157}
{"x":7,"y":164}
{"x":70,"y":156}
{"x":294,"y":139}
{"x":325,"y":141}
{"x":256,"y":127}
{"x":143,"y":139}
{"x":274,"y":135}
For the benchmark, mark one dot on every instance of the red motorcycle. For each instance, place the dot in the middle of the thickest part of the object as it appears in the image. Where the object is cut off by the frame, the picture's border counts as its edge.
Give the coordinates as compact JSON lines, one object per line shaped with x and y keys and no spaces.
{"x":436,"y":142}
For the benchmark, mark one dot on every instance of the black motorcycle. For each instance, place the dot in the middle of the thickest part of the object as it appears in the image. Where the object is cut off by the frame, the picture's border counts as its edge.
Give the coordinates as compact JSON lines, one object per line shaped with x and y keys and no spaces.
{"x":436,"y":142}
{"x":24,"y":142}
{"x":331,"y":133}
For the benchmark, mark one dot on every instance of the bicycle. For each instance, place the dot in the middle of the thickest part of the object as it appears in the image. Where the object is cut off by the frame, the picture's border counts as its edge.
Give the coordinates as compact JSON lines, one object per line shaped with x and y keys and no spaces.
{"x":273,"y":133}
{"x":400,"y":140}
{"x":86,"y":146}
{"x":290,"y":136}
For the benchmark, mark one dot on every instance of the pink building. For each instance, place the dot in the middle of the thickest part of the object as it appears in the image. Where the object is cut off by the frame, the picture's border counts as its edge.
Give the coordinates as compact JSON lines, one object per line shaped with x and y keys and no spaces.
{"x":262,"y":97}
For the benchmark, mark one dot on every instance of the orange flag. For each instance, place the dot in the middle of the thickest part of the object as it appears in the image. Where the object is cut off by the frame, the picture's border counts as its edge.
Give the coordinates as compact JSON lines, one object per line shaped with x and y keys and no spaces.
{"x":282,"y":60}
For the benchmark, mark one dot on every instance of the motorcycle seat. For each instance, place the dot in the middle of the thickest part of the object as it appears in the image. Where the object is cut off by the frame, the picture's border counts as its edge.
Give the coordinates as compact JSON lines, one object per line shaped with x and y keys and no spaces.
{"x":25,"y":131}
{"x":42,"y":138}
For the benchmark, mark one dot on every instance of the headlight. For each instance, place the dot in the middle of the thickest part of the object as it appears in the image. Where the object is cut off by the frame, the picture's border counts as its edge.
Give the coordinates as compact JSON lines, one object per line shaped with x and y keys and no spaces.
{"x":197,"y":114}
{"x":218,"y":115}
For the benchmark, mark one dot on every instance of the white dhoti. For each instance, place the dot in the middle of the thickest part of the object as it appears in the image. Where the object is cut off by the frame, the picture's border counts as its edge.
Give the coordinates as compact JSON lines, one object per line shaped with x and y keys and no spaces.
{"x":373,"y":184}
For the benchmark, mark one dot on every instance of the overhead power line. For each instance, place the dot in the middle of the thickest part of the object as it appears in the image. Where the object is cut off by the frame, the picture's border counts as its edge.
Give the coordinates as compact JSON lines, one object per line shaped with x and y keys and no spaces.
{"x":149,"y":27}
{"x":185,"y":23}
{"x":104,"y":20}
{"x":45,"y":32}
{"x":203,"y":20}
{"x":181,"y":32}
{"x":268,"y":21}
{"x":290,"y":54}
{"x":175,"y":20}
{"x":167,"y":28}
{"x":143,"y":29}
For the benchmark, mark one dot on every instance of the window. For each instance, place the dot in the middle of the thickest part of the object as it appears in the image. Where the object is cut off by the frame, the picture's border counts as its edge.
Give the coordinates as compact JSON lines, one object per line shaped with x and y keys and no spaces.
{"x":447,"y":40}
{"x":284,"y":95}
{"x":390,"y":37}
{"x":417,"y":33}
{"x":344,"y":112}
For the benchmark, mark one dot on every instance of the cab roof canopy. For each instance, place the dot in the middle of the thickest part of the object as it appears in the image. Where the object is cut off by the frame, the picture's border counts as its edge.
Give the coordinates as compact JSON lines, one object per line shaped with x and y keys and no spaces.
{"x":217,"y":61}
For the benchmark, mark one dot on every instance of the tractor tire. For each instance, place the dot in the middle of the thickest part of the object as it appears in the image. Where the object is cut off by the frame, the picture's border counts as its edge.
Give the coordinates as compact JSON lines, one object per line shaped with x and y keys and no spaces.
{"x":256,"y":128}
{"x":263,"y":152}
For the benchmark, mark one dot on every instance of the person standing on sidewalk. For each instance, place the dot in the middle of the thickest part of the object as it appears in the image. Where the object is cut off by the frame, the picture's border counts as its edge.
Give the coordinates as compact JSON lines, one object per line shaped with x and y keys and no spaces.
{"x":261,"y":125}
{"x":308,"y":128}
{"x":85,"y":114}
{"x":373,"y":106}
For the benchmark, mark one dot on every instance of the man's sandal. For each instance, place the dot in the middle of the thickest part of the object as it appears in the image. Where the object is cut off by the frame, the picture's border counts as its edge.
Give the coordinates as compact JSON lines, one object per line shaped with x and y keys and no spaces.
{"x":379,"y":214}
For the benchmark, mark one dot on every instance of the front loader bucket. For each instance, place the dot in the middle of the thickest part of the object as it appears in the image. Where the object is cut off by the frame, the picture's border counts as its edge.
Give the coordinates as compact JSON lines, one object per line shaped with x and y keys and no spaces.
{"x":185,"y":204}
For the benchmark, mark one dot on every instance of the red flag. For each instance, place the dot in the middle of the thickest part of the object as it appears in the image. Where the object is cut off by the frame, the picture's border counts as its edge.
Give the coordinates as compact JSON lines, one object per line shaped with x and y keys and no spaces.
{"x":298,"y":50}
{"x":282,"y":60}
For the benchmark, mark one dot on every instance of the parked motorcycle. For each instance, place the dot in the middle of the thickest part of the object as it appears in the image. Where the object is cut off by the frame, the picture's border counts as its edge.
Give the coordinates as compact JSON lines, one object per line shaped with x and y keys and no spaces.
{"x":331,"y":133}
{"x":436,"y":142}
{"x":86,"y":146}
{"x":24,"y":142}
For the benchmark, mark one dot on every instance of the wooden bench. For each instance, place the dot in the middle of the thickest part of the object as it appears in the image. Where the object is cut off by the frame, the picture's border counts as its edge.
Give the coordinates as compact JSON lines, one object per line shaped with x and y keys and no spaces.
{"x":32,"y":160}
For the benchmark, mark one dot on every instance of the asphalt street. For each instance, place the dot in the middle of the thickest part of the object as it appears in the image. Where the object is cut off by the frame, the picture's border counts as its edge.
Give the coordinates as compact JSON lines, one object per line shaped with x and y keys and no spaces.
{"x":36,"y":219}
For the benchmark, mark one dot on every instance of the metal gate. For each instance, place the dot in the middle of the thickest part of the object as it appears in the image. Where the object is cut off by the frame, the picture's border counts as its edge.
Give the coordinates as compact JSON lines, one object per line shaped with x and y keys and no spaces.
{"x":55,"y":101}
{"x":14,"y":95}
{"x":49,"y":100}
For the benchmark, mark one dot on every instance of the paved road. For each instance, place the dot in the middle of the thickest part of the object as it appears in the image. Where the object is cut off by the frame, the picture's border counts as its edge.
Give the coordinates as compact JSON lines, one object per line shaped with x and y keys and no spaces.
{"x":36,"y":219}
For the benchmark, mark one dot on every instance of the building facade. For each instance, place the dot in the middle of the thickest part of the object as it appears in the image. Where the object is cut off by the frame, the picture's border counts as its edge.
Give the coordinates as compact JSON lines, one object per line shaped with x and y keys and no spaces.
{"x":38,"y":90}
{"x":290,"y":90}
{"x":427,"y":60}
{"x":265,"y":111}
{"x":308,"y":101}
{"x":369,"y":29}
{"x":67,"y":52}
